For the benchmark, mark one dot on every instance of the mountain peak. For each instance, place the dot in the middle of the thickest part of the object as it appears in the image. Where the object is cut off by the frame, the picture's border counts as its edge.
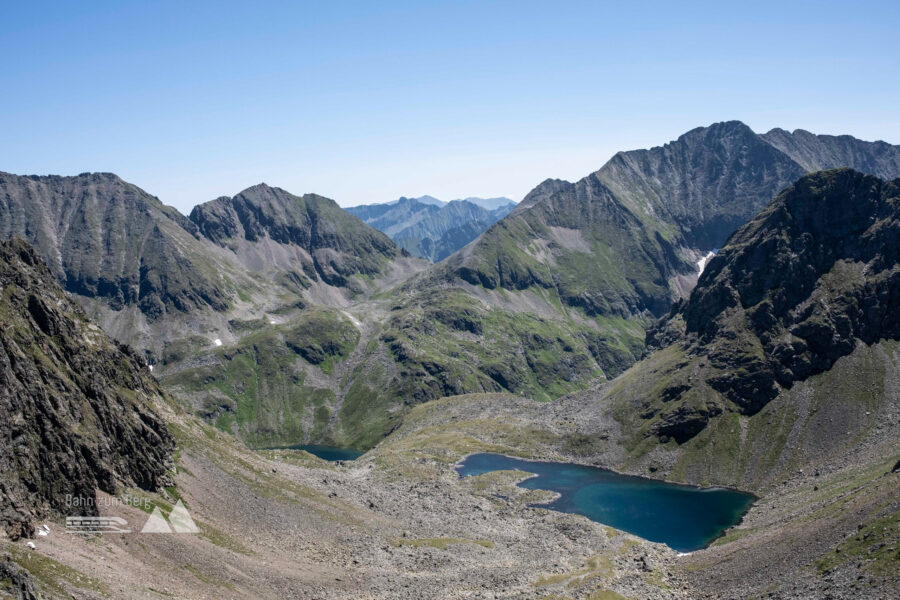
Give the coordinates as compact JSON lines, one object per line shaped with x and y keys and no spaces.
{"x":719,"y":130}
{"x":334,"y":244}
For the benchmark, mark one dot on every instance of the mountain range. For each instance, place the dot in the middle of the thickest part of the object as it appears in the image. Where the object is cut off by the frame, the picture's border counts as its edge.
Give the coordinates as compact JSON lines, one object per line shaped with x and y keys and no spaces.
{"x":286,"y":319}
{"x":721,"y":310}
{"x":429,"y":228}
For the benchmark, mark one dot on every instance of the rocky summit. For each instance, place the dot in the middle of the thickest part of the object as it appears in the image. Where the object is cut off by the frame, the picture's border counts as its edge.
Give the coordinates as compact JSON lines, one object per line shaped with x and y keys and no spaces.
{"x":328,"y":245}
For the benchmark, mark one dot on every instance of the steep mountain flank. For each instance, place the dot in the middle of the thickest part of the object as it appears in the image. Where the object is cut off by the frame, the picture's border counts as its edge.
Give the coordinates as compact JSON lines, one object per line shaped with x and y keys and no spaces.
{"x":814,"y":274}
{"x":105,"y":238}
{"x":702,"y":186}
{"x":76,"y":409}
{"x":317,"y":237}
{"x":583,"y":245}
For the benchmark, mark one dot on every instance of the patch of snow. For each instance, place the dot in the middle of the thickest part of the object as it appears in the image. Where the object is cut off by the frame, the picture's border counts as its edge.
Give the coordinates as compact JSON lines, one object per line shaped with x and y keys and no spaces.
{"x":701,"y":264}
{"x":150,"y":367}
{"x":217,"y":342}
{"x":352,"y":318}
{"x":41,"y":532}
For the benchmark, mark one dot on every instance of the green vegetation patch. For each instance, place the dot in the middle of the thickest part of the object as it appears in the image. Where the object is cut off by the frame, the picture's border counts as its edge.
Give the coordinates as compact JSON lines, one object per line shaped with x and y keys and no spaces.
{"x":53,"y":576}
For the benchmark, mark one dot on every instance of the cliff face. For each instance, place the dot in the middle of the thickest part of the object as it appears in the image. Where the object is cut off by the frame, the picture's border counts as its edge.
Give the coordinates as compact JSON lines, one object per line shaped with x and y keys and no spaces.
{"x":814,"y":274}
{"x":105,"y":238}
{"x":76,"y":409}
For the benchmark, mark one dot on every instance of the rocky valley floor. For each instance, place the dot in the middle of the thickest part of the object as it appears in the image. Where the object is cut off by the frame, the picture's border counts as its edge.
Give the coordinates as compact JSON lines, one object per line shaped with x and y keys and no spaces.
{"x":399,"y":523}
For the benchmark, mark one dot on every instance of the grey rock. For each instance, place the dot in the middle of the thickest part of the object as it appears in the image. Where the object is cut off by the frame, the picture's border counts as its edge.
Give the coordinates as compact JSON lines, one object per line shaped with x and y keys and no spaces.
{"x":76,"y":409}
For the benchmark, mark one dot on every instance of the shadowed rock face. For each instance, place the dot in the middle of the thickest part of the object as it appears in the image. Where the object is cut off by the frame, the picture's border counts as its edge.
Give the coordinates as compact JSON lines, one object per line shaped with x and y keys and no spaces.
{"x":799,"y":286}
{"x":76,"y":409}
{"x":105,"y":238}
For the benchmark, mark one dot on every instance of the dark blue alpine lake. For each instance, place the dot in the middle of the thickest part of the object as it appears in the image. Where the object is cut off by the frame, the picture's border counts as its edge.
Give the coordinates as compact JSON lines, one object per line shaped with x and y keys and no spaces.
{"x":683,"y":517}
{"x":324,"y":452}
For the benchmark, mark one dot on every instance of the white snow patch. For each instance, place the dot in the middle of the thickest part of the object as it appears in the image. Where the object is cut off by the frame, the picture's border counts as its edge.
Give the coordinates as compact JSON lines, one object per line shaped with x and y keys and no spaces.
{"x":150,"y":367}
{"x":701,"y":264}
{"x":352,"y":318}
{"x":217,"y":342}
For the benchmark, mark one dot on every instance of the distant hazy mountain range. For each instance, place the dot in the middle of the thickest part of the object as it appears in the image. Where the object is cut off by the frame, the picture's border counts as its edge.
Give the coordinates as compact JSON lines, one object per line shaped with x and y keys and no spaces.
{"x":430,"y":228}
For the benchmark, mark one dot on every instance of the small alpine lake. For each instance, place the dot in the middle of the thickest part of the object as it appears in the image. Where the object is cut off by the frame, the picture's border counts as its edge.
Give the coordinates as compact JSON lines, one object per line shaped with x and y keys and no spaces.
{"x":683,"y":517}
{"x":330,"y":453}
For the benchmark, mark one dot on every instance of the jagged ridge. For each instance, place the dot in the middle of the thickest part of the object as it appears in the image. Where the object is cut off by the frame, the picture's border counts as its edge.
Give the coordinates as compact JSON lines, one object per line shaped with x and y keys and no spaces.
{"x":814,"y":274}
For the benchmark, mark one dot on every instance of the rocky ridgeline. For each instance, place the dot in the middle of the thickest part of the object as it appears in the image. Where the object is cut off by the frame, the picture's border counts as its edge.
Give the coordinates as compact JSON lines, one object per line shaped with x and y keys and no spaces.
{"x":621,"y":240}
{"x":334,"y":245}
{"x":76,"y":409}
{"x":108,"y":239}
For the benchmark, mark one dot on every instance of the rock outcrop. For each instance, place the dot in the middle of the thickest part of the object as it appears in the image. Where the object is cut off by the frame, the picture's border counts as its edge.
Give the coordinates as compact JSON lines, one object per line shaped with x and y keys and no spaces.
{"x":814,"y":274}
{"x":76,"y":409}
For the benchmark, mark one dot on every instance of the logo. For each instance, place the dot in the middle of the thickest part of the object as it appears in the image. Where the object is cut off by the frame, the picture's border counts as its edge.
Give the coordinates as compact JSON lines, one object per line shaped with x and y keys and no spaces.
{"x":96,"y":525}
{"x":179,"y":521}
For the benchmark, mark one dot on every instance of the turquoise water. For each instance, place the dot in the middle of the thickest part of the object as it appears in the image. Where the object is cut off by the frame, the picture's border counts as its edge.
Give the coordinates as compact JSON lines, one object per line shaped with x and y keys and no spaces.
{"x":683,"y":517}
{"x":328,"y":452}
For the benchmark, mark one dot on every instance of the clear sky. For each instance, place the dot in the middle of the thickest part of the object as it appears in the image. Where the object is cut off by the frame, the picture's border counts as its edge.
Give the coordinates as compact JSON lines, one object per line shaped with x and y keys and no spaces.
{"x":364,"y":102}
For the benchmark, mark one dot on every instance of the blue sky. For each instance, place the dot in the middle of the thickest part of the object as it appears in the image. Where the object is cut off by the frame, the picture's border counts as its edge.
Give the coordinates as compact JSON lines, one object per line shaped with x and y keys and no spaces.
{"x":364,"y":102}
